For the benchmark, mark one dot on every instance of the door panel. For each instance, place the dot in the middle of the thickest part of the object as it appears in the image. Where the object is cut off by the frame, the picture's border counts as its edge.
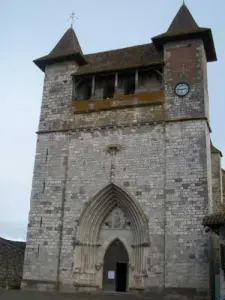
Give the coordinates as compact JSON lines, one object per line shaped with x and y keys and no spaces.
{"x":115,"y":267}
{"x":121,"y":277}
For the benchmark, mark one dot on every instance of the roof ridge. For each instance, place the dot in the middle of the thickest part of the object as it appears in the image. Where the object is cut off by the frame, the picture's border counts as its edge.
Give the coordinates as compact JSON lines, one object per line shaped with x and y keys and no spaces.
{"x":8,"y":242}
{"x":123,"y":48}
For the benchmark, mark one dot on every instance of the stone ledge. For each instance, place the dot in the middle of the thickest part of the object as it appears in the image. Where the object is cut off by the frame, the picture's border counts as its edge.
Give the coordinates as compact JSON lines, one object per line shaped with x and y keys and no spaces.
{"x":125,"y":125}
{"x":77,"y":284}
{"x":27,"y":284}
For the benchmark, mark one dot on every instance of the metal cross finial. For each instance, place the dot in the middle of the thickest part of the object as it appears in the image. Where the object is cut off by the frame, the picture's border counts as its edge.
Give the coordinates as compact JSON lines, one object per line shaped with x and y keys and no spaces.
{"x":72,"y":18}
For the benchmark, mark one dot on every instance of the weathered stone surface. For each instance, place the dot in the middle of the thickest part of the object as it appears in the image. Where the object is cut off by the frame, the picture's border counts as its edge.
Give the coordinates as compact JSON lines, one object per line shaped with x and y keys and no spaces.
{"x":157,"y":181}
{"x":11,"y":263}
{"x":217,"y":187}
{"x":223,"y":184}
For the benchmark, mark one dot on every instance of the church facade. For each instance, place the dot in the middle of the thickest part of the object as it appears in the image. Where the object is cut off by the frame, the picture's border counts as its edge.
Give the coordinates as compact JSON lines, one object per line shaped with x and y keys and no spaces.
{"x":123,"y":168}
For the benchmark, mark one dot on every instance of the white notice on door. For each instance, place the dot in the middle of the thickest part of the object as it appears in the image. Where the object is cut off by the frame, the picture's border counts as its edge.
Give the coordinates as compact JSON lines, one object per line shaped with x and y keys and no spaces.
{"x":111,"y":274}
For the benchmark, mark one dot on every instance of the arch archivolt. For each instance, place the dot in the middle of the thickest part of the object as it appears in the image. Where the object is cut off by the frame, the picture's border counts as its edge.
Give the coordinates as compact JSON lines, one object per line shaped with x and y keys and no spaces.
{"x":107,"y":242}
{"x":97,"y":230}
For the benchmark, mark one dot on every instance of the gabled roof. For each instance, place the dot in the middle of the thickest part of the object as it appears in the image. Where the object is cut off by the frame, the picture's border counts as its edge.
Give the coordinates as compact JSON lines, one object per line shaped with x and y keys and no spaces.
{"x":67,"y":48}
{"x":119,"y":59}
{"x":184,"y":27}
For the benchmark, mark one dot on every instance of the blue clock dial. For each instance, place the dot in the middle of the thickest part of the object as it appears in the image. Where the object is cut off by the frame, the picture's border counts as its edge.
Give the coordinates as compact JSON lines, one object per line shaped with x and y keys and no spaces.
{"x":182,"y":89}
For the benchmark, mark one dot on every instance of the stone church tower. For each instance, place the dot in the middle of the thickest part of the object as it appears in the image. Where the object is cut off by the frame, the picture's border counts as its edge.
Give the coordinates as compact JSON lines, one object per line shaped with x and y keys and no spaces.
{"x":122,"y":175}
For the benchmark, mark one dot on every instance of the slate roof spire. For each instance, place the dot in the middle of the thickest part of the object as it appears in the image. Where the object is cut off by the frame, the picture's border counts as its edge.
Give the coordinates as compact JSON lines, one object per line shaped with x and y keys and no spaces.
{"x":68,"y":48}
{"x":185,"y":27}
{"x":67,"y":44}
{"x":183,"y":20}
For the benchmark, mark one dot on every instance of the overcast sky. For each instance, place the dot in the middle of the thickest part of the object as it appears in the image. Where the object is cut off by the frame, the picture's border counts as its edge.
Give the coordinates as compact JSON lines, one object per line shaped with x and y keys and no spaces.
{"x":30,"y":29}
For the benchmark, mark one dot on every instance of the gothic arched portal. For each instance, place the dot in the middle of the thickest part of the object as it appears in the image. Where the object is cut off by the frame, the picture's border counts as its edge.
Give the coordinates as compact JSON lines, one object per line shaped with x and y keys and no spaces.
{"x":115,"y":267}
{"x":90,"y":250}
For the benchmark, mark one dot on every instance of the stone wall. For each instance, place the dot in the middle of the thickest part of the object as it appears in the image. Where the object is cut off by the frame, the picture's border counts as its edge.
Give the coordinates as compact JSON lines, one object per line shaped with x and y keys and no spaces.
{"x":11,"y":263}
{"x":56,"y":112}
{"x":217,"y":187}
{"x":88,"y":171}
{"x":188,"y":186}
{"x":222,"y":273}
{"x":163,"y":165}
{"x":186,"y":62}
{"x":217,"y":199}
{"x":157,"y":165}
{"x":186,"y":251}
{"x":223,"y":184}
{"x":48,"y":192}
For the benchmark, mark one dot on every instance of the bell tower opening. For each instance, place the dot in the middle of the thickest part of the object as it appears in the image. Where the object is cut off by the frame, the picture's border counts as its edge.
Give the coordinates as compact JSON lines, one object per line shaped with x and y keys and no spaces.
{"x":115,"y":268}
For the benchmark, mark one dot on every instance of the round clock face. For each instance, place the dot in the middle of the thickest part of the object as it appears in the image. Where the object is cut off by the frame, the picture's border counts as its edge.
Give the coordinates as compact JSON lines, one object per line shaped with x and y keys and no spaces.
{"x":182,"y":89}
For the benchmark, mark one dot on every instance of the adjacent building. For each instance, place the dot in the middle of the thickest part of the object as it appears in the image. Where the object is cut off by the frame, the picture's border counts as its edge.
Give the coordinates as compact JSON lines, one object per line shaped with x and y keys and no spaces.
{"x":11,"y":263}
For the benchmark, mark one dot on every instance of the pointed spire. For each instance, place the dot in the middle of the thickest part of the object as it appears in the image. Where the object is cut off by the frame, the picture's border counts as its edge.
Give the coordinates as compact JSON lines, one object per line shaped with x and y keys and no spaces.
{"x":68,"y":43}
{"x":183,"y":20}
{"x":184,"y":27}
{"x":68,"y":47}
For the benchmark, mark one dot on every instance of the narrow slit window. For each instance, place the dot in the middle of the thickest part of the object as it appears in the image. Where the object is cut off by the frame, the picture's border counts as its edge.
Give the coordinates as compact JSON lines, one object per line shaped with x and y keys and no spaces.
{"x":46,"y":156}
{"x":43,"y":188}
{"x":38,"y":250}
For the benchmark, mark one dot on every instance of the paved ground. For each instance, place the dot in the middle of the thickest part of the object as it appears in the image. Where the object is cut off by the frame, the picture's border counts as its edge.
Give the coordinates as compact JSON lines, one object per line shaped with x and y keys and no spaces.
{"x":29,"y":295}
{"x":33,"y":295}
